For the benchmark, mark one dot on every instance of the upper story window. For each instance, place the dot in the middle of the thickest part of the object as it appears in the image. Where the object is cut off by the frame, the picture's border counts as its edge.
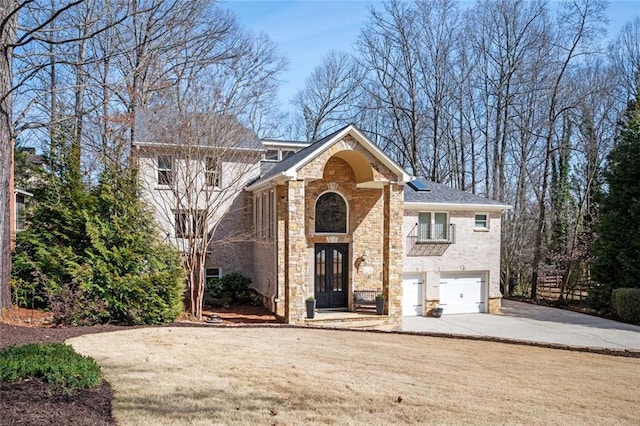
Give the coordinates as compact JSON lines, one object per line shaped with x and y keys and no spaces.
{"x":212,"y":172}
{"x":165,"y":170}
{"x":433,"y":226}
{"x":331,"y":214}
{"x":278,"y":154}
{"x":272,"y":155}
{"x":287,"y":154}
{"x":481,"y":221}
{"x":190,"y":224}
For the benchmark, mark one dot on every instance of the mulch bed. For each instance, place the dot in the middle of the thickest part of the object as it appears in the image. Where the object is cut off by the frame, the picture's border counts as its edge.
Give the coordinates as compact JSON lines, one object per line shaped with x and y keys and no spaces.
{"x":33,"y":402}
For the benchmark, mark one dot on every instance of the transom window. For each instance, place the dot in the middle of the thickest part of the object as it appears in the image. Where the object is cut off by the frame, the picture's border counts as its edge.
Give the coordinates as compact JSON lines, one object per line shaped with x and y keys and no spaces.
{"x":331,"y":214}
{"x":433,"y":226}
{"x":165,"y":170}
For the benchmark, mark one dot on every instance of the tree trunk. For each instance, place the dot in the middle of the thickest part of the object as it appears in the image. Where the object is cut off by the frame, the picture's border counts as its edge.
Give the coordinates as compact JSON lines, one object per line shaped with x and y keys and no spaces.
{"x":7,"y":36}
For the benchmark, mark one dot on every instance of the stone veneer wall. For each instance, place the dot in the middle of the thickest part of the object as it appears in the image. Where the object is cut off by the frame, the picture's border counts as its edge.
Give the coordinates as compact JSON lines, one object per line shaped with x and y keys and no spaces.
{"x":296,"y":254}
{"x":375,"y":223}
{"x":394,"y":209}
{"x":365,"y":219}
{"x":281,"y":249}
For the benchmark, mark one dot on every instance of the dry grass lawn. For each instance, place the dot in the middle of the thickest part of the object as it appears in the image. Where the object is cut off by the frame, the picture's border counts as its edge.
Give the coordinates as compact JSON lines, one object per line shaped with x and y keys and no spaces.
{"x":290,"y":376}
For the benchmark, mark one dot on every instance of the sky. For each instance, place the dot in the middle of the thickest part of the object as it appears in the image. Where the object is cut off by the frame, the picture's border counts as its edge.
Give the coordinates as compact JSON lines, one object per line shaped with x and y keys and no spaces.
{"x":307,"y":30}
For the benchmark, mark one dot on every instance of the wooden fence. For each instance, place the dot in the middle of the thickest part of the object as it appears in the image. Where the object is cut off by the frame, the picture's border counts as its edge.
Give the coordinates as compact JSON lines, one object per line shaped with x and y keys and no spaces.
{"x":550,"y":286}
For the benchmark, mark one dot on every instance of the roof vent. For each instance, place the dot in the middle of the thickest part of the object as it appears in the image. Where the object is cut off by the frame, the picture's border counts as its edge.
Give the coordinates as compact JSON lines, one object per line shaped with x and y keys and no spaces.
{"x":418,"y":185}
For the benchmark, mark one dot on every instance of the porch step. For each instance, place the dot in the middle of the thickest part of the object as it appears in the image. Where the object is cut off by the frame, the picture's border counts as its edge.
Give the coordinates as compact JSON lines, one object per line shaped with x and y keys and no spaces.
{"x":350,"y":325}
{"x":353,"y":320}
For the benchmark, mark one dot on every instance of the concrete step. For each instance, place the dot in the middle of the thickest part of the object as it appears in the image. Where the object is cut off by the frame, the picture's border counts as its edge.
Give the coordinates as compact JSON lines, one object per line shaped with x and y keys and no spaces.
{"x":359,"y":324}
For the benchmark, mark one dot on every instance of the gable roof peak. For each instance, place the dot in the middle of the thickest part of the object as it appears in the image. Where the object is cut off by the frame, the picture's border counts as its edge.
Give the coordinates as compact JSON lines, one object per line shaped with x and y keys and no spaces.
{"x":288,"y":168}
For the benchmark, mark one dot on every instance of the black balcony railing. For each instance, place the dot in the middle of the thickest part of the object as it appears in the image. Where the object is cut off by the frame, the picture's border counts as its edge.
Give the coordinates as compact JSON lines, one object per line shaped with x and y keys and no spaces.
{"x":436,"y":234}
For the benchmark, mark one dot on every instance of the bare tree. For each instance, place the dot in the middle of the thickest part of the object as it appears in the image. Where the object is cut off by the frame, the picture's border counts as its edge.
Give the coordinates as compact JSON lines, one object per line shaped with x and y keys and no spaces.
{"x":580,"y":24}
{"x":624,"y":54}
{"x":193,"y":171}
{"x":387,"y":47}
{"x":327,"y":100}
{"x":438,"y":48}
{"x":38,"y":20}
{"x":195,"y":150}
{"x":8,"y":17}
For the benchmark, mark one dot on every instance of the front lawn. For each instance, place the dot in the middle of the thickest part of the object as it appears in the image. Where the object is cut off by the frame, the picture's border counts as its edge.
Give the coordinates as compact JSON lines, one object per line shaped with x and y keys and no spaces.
{"x":305,"y":376}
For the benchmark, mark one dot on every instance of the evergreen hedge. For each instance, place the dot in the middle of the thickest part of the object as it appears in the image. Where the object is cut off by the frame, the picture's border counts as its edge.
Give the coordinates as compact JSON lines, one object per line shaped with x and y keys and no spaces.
{"x":94,"y":256}
{"x":617,"y":246}
{"x":626,"y":304}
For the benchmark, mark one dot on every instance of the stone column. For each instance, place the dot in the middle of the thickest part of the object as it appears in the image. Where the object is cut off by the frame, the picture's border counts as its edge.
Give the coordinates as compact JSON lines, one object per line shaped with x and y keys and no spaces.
{"x":281,"y":254}
{"x":393,"y":212}
{"x":296,"y":265}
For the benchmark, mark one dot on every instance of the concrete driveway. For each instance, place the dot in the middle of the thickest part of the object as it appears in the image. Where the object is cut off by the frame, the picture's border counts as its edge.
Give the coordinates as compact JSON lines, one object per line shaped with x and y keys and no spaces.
{"x":527,"y":322}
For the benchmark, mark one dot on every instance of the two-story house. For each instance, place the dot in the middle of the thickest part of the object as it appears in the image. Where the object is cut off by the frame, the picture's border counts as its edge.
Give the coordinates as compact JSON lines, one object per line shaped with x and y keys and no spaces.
{"x":338,"y":216}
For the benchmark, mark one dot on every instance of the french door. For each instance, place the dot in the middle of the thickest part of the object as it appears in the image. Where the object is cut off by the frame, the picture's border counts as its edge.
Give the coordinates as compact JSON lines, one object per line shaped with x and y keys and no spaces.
{"x":331,"y":275}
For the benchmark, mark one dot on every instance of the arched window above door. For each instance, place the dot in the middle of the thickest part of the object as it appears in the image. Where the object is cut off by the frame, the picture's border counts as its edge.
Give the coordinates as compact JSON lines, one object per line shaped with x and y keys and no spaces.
{"x":331,"y":214}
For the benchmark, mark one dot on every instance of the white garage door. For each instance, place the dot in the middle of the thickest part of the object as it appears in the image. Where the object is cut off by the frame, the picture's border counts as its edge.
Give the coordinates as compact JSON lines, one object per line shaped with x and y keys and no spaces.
{"x":412,"y":297}
{"x":462,"y":293}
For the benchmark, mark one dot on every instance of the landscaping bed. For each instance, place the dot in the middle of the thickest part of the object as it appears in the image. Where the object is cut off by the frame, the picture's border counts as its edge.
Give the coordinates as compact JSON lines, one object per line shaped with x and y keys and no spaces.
{"x":34,"y":402}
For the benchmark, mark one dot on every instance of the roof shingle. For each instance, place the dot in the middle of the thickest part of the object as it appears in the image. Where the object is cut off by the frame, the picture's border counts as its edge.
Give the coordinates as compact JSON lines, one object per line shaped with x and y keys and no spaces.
{"x":443,"y":194}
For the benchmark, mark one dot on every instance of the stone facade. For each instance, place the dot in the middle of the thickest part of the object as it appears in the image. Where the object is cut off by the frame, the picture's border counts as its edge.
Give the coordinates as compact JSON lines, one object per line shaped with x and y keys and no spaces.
{"x":394,"y":208}
{"x":374,"y":218}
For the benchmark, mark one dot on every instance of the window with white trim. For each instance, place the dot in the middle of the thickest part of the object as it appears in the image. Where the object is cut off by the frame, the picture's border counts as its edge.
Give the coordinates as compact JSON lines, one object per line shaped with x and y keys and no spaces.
{"x":213,"y":273}
{"x":165,"y":170}
{"x":272,"y":155}
{"x":481,"y":221}
{"x":264,"y":214}
{"x":433,"y":226}
{"x":287,"y":154}
{"x":20,"y":212}
{"x":212,"y":172}
{"x":190,"y":224}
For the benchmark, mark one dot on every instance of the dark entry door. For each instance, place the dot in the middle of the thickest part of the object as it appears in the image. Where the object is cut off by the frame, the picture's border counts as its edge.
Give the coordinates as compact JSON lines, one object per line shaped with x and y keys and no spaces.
{"x":331,"y":275}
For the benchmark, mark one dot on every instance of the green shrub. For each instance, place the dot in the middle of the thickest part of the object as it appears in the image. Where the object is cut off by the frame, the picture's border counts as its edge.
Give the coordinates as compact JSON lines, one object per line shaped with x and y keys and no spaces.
{"x":95,"y":256}
{"x":28,"y":293}
{"x":214,"y":287}
{"x":236,"y":286}
{"x":599,"y":297}
{"x":626,"y":304}
{"x":55,"y":363}
{"x":254,"y":298}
